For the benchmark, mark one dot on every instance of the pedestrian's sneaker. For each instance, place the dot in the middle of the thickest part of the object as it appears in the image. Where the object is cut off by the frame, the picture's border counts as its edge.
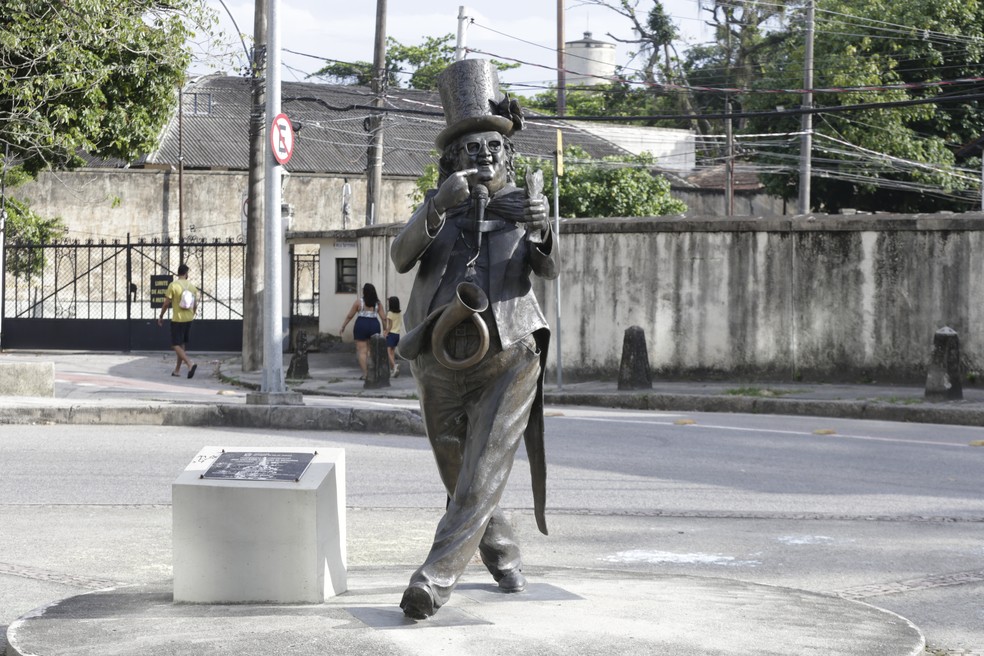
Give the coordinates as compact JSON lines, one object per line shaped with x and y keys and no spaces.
{"x":395,"y":371}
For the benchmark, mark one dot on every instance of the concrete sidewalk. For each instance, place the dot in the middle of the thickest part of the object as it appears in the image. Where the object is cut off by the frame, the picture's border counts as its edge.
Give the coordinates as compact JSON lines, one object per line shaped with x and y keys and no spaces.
{"x":136,"y":388}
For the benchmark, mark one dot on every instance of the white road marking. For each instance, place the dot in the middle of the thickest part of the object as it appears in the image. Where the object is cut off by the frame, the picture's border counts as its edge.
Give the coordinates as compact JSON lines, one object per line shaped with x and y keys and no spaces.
{"x":777,"y":431}
{"x":655,"y":557}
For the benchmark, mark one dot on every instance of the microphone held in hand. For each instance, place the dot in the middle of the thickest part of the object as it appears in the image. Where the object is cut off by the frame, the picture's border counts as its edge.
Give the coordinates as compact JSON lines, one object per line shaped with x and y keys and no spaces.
{"x":480,"y":200}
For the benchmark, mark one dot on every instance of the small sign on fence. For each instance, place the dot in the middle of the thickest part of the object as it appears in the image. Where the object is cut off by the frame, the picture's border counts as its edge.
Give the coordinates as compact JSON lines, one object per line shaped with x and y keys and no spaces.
{"x":158,"y":287}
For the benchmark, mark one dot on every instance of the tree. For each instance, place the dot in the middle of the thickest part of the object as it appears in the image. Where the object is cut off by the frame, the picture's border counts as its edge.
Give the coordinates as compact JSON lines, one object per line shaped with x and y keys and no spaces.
{"x":879,"y":158}
{"x":614,"y":99}
{"x":25,"y":226}
{"x":660,"y":71}
{"x":742,"y":38}
{"x":622,"y":187}
{"x":90,"y":76}
{"x":611,"y":187}
{"x":424,"y":62}
{"x":420,"y":65}
{"x":87,"y":76}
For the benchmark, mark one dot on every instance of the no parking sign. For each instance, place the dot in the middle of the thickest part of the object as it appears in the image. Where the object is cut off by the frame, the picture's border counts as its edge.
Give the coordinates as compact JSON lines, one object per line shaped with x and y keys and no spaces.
{"x":282,"y":138}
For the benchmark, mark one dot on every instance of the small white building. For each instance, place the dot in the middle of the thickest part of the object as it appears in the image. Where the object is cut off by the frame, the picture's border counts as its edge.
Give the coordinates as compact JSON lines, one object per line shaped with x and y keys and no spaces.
{"x":675,"y":149}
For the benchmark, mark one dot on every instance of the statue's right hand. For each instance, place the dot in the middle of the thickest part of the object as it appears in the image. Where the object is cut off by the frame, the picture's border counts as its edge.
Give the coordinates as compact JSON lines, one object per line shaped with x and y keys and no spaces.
{"x":453,"y":191}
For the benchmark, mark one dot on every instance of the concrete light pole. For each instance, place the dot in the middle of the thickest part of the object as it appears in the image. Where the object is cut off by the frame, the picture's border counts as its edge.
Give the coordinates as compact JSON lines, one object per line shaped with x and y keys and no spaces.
{"x":273,"y":390}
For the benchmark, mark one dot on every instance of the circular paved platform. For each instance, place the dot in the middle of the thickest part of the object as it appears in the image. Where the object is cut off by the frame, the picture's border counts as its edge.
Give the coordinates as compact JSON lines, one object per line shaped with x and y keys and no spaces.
{"x":562,"y":612}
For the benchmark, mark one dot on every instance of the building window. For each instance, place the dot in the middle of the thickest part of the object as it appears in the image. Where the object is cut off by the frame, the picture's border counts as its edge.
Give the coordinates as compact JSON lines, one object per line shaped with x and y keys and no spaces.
{"x":346,"y":281}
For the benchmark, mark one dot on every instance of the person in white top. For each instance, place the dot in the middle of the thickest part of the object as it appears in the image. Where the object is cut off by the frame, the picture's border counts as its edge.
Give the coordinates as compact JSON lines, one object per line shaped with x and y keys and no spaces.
{"x":367,"y":311}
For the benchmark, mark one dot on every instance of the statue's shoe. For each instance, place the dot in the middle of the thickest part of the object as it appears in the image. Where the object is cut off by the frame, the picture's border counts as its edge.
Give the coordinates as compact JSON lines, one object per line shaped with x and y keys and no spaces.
{"x":417,"y":602}
{"x":512,"y":581}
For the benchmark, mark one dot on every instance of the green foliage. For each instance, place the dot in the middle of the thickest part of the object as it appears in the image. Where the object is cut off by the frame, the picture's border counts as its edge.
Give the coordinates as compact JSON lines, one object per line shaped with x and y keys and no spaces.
{"x":26,"y":226}
{"x":616,"y":99}
{"x":90,"y":75}
{"x":850,"y":57}
{"x":425,"y":182}
{"x":422,"y":63}
{"x":612,"y":187}
{"x":349,"y":73}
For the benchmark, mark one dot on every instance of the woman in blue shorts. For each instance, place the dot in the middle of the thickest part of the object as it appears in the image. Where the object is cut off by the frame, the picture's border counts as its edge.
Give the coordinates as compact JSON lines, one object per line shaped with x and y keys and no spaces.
{"x":366,"y":311}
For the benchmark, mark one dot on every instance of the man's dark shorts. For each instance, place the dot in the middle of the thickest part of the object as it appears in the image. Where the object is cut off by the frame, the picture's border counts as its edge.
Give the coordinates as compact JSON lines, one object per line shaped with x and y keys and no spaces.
{"x":180,"y":331}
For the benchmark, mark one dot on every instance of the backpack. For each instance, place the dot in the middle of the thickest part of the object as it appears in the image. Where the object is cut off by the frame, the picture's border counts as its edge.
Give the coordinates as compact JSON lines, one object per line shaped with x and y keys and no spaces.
{"x":187,"y":300}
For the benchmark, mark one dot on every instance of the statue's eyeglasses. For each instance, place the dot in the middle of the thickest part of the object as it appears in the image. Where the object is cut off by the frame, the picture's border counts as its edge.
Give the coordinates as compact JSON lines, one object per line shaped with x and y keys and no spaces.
{"x":474,"y":146}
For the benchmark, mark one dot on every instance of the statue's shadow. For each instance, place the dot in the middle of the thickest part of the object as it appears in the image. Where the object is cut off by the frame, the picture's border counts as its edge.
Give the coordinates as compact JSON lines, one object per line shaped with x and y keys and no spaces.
{"x":391,"y":617}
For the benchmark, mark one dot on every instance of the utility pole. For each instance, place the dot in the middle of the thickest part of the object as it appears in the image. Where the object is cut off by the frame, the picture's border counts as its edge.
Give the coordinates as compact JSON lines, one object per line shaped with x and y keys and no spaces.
{"x":3,"y":232}
{"x":558,"y":174}
{"x":459,"y":49}
{"x":181,"y":230}
{"x":561,"y":75}
{"x":374,"y":168}
{"x":729,"y":185}
{"x":253,"y":279}
{"x":806,"y":140}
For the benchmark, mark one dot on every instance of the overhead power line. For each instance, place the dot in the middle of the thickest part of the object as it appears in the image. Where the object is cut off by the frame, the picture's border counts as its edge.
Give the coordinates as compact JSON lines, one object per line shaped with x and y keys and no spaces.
{"x":798,"y":111}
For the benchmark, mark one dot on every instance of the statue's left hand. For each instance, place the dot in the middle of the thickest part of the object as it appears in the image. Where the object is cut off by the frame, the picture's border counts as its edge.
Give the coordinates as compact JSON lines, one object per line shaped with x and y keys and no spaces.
{"x":535,"y":212}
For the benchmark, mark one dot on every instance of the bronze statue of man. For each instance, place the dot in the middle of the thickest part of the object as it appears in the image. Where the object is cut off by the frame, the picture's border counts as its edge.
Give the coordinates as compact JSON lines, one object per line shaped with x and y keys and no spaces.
{"x":476,"y":336}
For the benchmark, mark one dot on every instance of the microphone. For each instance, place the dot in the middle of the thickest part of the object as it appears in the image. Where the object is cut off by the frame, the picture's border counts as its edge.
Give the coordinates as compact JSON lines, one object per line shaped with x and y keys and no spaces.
{"x":480,"y":199}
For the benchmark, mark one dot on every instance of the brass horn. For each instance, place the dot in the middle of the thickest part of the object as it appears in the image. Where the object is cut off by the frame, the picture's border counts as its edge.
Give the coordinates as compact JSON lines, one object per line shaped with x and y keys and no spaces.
{"x":469,"y":300}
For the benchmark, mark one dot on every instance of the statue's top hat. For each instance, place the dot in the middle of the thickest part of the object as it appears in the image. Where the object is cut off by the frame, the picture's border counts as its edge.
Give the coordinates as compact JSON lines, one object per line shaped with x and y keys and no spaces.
{"x":473,"y":103}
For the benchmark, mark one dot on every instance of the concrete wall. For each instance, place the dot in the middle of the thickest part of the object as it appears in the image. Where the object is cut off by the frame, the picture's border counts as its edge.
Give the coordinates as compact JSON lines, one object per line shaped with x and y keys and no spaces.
{"x":820,"y":298}
{"x":710,"y":202}
{"x":109,"y":204}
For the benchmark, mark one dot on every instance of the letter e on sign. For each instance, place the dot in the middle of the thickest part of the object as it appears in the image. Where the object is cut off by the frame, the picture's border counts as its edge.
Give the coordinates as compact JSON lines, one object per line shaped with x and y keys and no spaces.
{"x":282,"y":138}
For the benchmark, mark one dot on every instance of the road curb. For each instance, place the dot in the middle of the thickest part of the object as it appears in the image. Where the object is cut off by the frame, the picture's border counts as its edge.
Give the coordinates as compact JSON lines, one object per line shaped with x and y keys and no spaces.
{"x":950,"y":413}
{"x":409,"y":422}
{"x":397,"y":421}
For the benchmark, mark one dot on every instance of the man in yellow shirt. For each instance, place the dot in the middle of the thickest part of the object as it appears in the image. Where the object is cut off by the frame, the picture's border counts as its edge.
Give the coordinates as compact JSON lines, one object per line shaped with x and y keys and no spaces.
{"x":182,"y":296}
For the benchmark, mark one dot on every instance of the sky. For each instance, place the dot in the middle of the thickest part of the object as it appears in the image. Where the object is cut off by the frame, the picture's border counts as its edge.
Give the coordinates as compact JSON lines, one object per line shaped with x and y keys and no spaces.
{"x":521,"y":29}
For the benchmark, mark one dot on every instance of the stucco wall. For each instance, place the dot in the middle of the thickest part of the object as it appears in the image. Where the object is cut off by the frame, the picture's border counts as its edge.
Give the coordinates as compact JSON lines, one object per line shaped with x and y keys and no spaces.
{"x":822,"y":298}
{"x":109,"y":204}
{"x":710,"y":202}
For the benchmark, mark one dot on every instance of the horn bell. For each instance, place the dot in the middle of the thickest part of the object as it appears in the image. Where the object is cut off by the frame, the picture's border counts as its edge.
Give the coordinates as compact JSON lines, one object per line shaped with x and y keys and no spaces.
{"x":469,"y":301}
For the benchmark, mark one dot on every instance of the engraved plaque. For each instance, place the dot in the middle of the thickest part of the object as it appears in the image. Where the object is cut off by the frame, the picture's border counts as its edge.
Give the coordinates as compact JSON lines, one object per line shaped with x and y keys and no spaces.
{"x":259,"y":466}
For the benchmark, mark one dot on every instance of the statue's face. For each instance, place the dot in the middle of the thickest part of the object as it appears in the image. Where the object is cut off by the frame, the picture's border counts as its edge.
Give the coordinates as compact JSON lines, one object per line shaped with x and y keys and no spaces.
{"x":486,"y":152}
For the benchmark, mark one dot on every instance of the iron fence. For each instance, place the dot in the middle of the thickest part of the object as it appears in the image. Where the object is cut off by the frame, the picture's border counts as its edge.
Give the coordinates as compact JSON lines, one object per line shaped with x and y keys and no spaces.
{"x":112,"y":279}
{"x":107,"y":289}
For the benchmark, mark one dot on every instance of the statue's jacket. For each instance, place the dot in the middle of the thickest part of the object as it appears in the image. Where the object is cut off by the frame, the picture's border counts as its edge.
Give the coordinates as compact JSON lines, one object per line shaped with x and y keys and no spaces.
{"x":514,"y":255}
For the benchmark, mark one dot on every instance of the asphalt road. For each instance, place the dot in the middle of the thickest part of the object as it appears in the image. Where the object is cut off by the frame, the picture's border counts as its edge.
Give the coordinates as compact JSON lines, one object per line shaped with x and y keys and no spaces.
{"x":891,"y":514}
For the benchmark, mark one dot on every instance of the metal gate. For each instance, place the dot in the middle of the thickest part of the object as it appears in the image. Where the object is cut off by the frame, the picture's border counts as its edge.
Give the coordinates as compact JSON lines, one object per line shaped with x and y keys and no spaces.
{"x":98,"y":295}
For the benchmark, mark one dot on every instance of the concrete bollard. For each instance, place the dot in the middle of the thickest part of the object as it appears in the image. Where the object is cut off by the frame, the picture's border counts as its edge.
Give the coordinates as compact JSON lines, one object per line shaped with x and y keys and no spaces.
{"x":298,"y":368}
{"x":943,"y":382}
{"x":377,"y":364}
{"x":634,"y":371}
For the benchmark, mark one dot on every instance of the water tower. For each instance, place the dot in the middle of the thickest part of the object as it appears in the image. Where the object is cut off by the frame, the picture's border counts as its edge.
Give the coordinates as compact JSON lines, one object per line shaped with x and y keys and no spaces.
{"x":589,"y":61}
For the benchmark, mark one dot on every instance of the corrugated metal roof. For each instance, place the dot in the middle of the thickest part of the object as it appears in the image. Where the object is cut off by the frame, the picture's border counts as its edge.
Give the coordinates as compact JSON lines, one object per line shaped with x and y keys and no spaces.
{"x":332,"y":136}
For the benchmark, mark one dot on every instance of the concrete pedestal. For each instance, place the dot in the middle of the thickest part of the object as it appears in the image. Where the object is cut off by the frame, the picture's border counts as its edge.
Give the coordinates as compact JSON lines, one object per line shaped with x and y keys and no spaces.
{"x":251,"y":541}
